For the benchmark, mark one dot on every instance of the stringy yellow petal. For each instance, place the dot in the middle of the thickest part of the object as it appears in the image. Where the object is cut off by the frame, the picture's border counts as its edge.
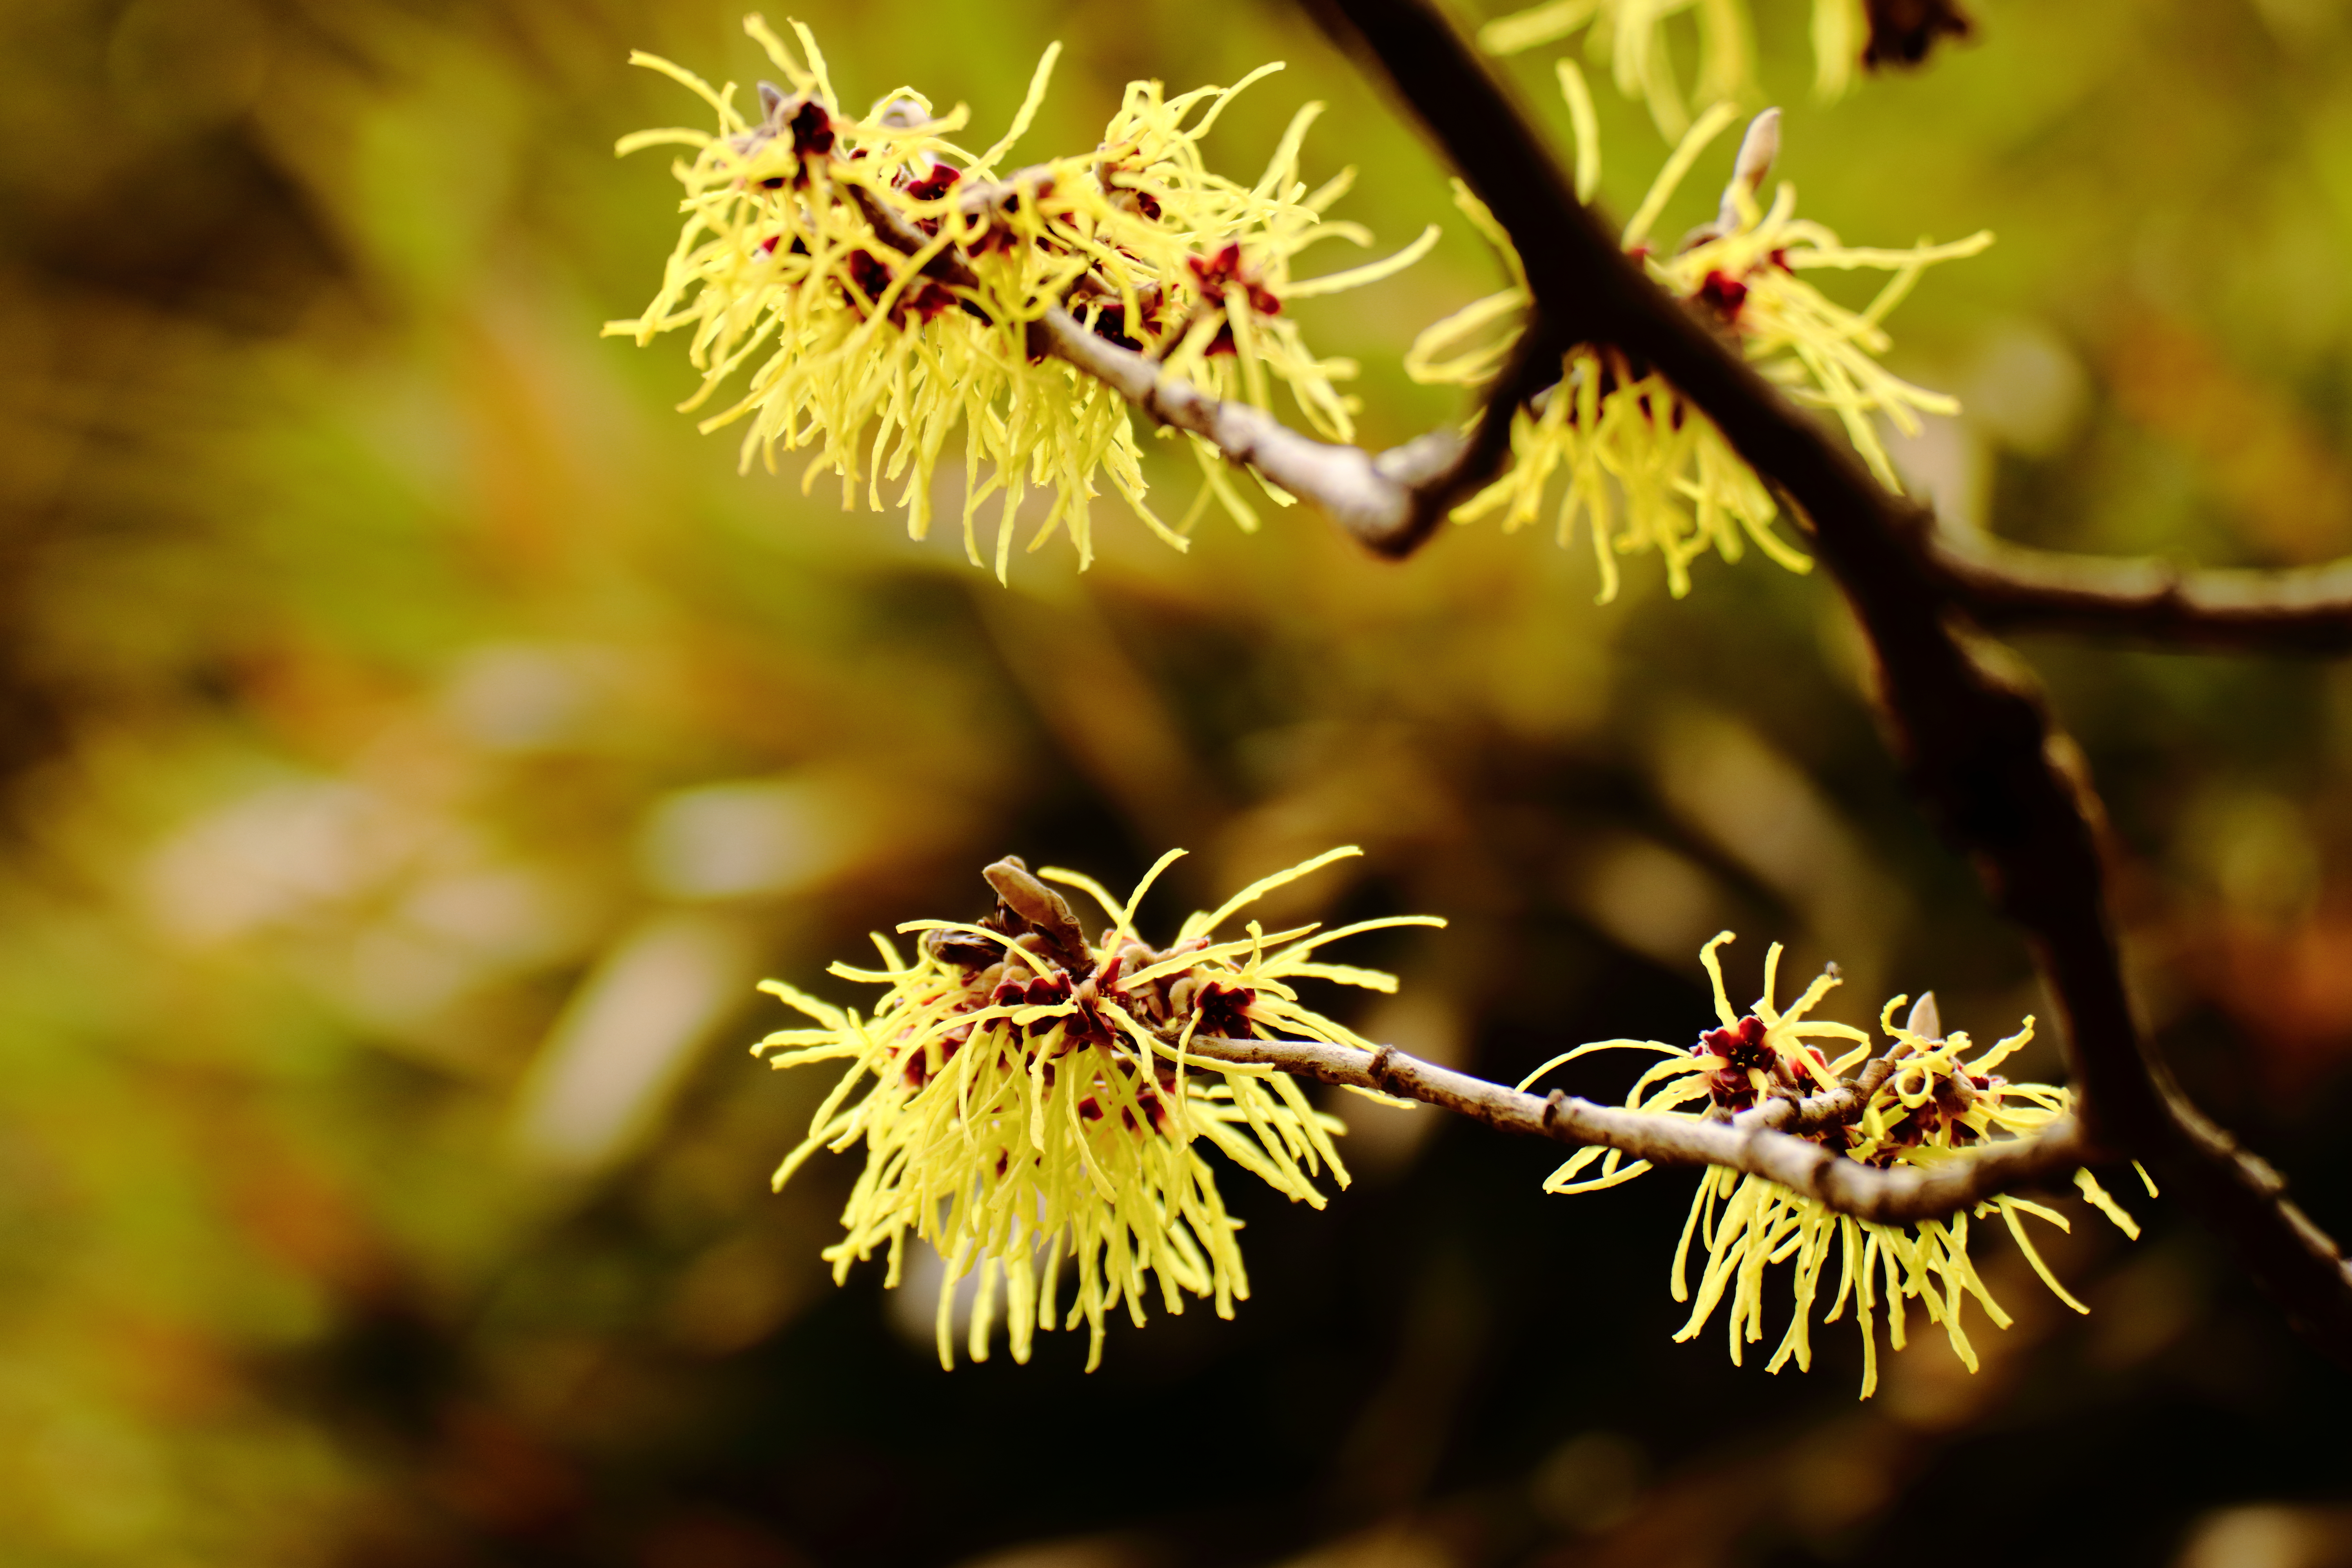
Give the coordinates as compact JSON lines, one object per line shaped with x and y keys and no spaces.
{"x":1614,"y":446}
{"x":1027,"y":1106}
{"x":1940,"y":1102}
{"x":1636,"y":34}
{"x":822,"y":331}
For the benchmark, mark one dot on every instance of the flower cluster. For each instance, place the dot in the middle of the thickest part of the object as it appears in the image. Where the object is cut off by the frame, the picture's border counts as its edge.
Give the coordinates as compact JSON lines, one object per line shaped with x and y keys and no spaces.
{"x":1632,"y":35}
{"x":1029,"y":1105}
{"x":1938,"y":1095}
{"x":1611,"y":427}
{"x":880,"y":287}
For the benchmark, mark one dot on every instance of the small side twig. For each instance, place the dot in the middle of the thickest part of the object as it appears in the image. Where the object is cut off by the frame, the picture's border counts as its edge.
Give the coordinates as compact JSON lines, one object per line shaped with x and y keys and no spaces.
{"x":1389,"y":501}
{"x":2010,"y":587}
{"x":1978,"y":743}
{"x":1831,"y":1107}
{"x":1893,"y":1196}
{"x":1842,"y":1106}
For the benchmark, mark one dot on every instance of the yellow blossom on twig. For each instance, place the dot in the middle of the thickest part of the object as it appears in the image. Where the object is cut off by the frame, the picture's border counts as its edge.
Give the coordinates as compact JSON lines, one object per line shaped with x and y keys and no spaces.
{"x":1927,"y":1097}
{"x":1029,"y":1109}
{"x":877,"y":288}
{"x":1610,"y":429}
{"x":1631,"y":36}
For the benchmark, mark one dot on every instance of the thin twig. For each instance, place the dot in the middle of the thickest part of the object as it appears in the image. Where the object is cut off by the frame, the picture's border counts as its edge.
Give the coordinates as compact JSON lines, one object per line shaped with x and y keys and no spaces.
{"x":1897,"y":1196}
{"x":1831,"y":1107}
{"x":1392,"y":503}
{"x":1389,"y":501}
{"x":1842,"y":1106}
{"x":2007,"y":586}
{"x":1978,"y":743}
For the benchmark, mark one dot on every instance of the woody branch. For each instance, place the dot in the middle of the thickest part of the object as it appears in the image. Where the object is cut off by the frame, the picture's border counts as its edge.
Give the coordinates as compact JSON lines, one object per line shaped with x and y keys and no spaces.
{"x":1785,"y":1135}
{"x":1388,"y":502}
{"x":1895,"y":565}
{"x":1752,"y":1142}
{"x":2006,"y":586}
{"x":1392,"y":502}
{"x":1978,"y":743}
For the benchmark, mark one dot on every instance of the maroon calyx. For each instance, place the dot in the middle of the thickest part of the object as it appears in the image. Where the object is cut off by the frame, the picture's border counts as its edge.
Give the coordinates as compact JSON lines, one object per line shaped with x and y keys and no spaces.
{"x":935,"y":184}
{"x":871,"y":276}
{"x":930,"y":188}
{"x":1110,"y":325}
{"x":1742,"y":1050}
{"x":1220,"y":274}
{"x":1224,"y":1010}
{"x":812,"y":130}
{"x":1134,"y":198}
{"x":916,"y":1067}
{"x":1723,"y":294}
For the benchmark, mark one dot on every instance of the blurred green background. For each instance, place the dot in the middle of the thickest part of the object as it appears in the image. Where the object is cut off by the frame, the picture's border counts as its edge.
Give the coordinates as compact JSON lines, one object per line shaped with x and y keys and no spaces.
{"x":416,"y":741}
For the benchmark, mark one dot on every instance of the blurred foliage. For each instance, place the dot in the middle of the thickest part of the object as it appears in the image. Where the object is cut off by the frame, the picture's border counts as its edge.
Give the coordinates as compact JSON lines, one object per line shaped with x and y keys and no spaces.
{"x":417,"y":740}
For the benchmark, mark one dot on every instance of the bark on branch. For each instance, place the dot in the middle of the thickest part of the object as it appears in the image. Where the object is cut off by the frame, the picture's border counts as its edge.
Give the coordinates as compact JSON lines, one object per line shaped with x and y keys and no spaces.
{"x":1976,"y":741}
{"x":1388,"y":502}
{"x":2007,"y":587}
{"x":1392,"y":502}
{"x":1894,"y":1197}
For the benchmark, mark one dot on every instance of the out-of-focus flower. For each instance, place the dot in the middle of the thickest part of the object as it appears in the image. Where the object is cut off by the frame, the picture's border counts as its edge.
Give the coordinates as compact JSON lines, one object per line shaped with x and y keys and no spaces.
{"x":1030,"y":1110}
{"x":1632,"y":35}
{"x":1937,"y":1101}
{"x":877,"y":358}
{"x":1614,"y":428}
{"x":1902,"y":31}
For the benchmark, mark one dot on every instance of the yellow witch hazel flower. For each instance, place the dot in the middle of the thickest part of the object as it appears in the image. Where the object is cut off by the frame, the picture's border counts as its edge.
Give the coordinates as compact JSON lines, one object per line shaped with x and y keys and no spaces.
{"x":1940,"y":1097}
{"x":1613,"y":428}
{"x":1029,"y":1108}
{"x":1631,"y":36}
{"x":877,"y":288}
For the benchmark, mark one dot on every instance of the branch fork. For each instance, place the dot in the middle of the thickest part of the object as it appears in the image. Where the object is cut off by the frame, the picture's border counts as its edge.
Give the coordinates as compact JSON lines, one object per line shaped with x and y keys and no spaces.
{"x":1977,"y":741}
{"x":1389,"y":501}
